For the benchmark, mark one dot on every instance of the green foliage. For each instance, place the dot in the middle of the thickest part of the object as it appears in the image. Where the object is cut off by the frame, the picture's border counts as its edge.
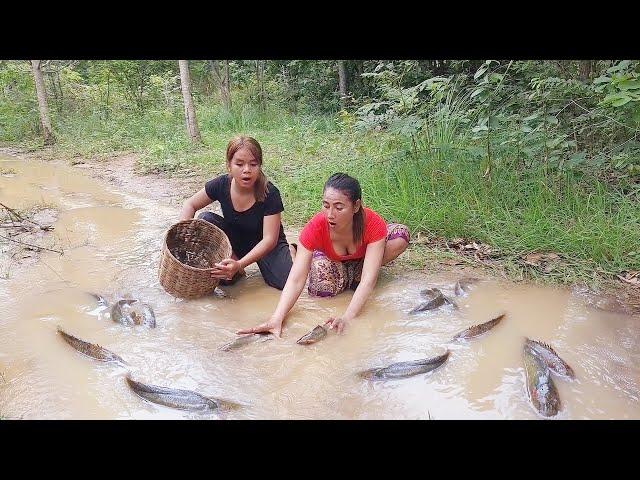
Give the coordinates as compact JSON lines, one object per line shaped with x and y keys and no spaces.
{"x":524,"y":155}
{"x":621,"y":85}
{"x":18,"y":106}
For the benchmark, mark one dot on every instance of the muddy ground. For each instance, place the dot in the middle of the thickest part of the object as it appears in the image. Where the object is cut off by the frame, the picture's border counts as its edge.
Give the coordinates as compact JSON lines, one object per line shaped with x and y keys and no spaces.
{"x":463,"y":258}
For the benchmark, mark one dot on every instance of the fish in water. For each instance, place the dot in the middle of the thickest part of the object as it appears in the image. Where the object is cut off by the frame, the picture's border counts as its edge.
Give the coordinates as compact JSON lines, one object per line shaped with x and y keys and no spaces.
{"x":609,"y":303}
{"x":246,"y":340}
{"x":132,"y":312}
{"x":542,"y":391}
{"x":430,"y":292}
{"x":435,"y":299}
{"x":178,"y":398}
{"x":90,"y":349}
{"x":218,"y":292}
{"x":550,"y":358}
{"x":144,"y":315}
{"x":102,"y":302}
{"x":315,"y":335}
{"x":477,"y":330}
{"x":463,"y":285}
{"x":405,"y":369}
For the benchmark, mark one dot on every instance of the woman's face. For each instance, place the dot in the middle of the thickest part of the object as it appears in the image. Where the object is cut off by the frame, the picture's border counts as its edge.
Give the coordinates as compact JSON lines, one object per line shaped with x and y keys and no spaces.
{"x":244,"y":168}
{"x":338,"y":209}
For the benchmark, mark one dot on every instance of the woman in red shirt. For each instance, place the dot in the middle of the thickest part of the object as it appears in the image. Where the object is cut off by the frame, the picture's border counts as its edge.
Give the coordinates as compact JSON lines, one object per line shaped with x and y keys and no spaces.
{"x":341,"y":247}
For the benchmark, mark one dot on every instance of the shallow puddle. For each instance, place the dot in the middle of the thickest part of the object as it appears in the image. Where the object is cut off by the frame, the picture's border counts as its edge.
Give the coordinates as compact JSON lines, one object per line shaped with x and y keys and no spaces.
{"x":112,"y":243}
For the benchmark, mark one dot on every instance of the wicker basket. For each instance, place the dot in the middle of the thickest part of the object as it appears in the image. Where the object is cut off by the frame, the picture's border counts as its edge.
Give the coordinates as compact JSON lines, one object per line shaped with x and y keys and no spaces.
{"x":191,"y":247}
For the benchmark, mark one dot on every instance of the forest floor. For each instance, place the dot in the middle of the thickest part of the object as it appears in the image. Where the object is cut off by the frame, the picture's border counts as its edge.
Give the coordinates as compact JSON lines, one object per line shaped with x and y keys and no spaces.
{"x":461,"y":257}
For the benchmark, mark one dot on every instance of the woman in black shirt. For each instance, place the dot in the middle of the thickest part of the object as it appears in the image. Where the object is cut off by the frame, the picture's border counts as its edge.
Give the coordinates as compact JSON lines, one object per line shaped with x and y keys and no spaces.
{"x":251,"y":208}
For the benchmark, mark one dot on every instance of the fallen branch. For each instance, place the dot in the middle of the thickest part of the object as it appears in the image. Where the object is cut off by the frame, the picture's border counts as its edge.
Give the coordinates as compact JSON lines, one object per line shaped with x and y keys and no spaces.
{"x":14,"y":225}
{"x":12,"y":212}
{"x":22,"y":219}
{"x":31,"y":245}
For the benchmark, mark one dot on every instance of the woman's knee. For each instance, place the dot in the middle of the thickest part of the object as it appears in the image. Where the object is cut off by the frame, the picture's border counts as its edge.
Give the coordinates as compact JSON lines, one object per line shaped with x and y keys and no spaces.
{"x":214,"y":218}
{"x":318,"y":290}
{"x":397,"y":242}
{"x":276,"y":282}
{"x":398,"y":245}
{"x":398,"y":230}
{"x":324,"y":277}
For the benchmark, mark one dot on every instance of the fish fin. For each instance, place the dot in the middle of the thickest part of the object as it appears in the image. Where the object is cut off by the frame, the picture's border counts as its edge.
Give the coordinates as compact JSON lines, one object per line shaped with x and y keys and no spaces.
{"x":544,"y":345}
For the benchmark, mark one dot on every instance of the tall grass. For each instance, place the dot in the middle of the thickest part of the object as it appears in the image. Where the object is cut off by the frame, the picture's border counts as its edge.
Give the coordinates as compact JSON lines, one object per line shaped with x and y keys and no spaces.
{"x":433,"y":184}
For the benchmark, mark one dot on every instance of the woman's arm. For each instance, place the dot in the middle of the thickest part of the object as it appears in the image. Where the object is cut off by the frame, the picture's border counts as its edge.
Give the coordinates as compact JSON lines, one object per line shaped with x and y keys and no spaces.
{"x":228,"y":267}
{"x":290,"y":294}
{"x":370,"y":270}
{"x":194,"y":203}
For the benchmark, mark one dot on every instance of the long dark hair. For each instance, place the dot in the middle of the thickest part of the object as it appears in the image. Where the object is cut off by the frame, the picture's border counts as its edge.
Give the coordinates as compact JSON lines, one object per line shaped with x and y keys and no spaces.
{"x":260,"y":188}
{"x":351,"y":188}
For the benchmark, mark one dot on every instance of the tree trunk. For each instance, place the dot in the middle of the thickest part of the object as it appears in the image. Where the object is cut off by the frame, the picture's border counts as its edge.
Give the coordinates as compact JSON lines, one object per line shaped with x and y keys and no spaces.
{"x":357,"y":77}
{"x":585,"y":70}
{"x":221,"y":81}
{"x":42,"y":103}
{"x":142,"y":70}
{"x":290,"y":96}
{"x":342,"y":83}
{"x":189,"y":111}
{"x":225,"y":92}
{"x":214,"y":67}
{"x":262,"y":96}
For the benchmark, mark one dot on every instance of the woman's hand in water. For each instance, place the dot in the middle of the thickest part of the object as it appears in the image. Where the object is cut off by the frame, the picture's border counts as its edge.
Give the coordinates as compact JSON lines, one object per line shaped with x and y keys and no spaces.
{"x":272,"y":326}
{"x":226,"y":269}
{"x":339,"y":323}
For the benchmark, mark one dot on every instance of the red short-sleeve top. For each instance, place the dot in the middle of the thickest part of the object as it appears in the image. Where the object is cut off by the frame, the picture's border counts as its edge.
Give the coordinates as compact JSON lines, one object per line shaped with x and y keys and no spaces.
{"x":315,"y":235}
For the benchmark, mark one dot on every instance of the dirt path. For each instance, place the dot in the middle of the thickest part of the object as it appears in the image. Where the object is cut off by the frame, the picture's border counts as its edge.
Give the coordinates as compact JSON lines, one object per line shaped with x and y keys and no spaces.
{"x":172,"y":189}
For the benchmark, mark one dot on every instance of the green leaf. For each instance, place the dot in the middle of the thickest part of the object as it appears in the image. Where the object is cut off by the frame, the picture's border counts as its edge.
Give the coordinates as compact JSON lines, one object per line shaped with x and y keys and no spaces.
{"x":621,"y":101}
{"x":620,"y":66}
{"x":477,"y":91}
{"x":576,"y":159}
{"x":480,"y":71}
{"x":494,"y":121}
{"x":629,"y":85}
{"x":553,"y":143}
{"x":602,"y":79}
{"x":617,"y":99}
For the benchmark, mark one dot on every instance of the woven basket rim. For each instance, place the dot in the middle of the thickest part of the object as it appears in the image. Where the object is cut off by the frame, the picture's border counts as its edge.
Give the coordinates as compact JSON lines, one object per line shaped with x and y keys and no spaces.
{"x":192,"y":220}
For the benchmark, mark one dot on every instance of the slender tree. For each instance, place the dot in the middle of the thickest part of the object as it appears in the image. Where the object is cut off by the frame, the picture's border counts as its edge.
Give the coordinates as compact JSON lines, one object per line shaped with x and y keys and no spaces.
{"x":41,"y":93}
{"x":221,"y":81}
{"x":189,"y":110}
{"x":585,"y":69}
{"x":225,"y":88}
{"x":214,"y":66}
{"x":342,"y":83}
{"x":262,"y":96}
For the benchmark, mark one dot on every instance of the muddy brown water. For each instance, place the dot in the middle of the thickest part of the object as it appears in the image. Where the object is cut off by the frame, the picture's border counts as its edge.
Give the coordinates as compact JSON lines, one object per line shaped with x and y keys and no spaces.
{"x":112,"y":241}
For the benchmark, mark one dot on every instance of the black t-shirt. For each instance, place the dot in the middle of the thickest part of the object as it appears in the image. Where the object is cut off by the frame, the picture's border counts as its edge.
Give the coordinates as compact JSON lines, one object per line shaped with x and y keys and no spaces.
{"x":244,"y":228}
